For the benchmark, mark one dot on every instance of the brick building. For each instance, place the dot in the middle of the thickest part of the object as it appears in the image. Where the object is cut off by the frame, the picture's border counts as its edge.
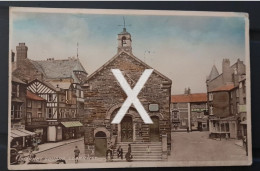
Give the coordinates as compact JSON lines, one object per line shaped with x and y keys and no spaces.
{"x":226,"y":99}
{"x":188,"y":111}
{"x":104,"y":97}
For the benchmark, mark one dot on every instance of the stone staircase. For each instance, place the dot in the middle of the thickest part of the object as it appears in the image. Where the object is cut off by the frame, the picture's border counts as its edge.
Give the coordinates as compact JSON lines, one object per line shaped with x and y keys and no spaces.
{"x":139,"y":151}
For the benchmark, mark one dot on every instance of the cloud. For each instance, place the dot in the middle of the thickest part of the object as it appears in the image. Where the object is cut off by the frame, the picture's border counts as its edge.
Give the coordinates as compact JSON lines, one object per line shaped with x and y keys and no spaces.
{"x":184,"y":48}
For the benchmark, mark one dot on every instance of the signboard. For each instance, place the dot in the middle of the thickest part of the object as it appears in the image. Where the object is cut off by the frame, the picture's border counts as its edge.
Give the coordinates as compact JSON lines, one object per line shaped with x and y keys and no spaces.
{"x":153,"y":107}
{"x":242,"y":108}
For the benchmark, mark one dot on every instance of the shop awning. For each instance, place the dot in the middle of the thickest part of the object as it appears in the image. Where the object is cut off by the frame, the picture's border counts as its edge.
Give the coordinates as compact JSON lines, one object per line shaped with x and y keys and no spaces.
{"x":243,"y":122}
{"x":15,"y":133}
{"x":72,"y":124}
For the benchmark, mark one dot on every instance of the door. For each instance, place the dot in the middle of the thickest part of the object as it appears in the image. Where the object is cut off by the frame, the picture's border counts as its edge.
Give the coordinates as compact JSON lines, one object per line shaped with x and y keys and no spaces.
{"x":154,"y":129}
{"x":127,"y":129}
{"x":100,"y":144}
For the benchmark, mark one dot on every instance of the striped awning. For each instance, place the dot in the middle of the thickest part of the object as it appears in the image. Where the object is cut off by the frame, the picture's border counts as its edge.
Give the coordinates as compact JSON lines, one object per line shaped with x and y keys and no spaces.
{"x":70,"y":124}
{"x":15,"y":133}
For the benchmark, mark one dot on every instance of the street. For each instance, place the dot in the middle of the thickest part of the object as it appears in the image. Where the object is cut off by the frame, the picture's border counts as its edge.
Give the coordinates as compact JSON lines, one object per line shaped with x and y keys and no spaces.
{"x":65,"y":151}
{"x":193,"y":146}
{"x":196,"y":146}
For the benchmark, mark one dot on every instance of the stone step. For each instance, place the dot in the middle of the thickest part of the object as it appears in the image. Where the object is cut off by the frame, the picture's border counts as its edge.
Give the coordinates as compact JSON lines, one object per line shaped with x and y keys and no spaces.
{"x":139,"y":143}
{"x":123,"y":160}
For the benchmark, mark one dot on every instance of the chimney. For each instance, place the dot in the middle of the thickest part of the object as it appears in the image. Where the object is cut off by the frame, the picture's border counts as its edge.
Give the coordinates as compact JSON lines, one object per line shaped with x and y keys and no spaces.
{"x":21,"y":53}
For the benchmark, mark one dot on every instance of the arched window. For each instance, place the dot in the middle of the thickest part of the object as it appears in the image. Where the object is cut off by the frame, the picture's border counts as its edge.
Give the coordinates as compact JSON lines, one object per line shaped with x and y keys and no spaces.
{"x":124,"y":41}
{"x":100,"y":134}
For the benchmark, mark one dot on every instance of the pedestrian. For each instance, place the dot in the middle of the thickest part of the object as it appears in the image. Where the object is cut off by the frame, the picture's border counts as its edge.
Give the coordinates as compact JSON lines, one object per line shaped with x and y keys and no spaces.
{"x":109,"y":151}
{"x":148,"y":150}
{"x":76,"y":152}
{"x":120,"y":152}
{"x":128,"y":155}
{"x":31,"y":155}
{"x":226,"y":136}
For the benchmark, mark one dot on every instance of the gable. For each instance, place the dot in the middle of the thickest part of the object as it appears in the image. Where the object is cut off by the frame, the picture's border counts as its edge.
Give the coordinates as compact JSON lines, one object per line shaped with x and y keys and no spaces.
{"x":39,"y":87}
{"x":127,"y":62}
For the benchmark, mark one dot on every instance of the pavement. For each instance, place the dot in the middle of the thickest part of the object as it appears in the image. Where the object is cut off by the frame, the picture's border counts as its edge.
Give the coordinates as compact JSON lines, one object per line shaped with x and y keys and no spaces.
{"x":52,"y":145}
{"x":197,"y":146}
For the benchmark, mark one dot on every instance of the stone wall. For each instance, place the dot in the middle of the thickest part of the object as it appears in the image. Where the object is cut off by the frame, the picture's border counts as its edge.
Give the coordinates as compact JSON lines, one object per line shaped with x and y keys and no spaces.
{"x":104,"y":93}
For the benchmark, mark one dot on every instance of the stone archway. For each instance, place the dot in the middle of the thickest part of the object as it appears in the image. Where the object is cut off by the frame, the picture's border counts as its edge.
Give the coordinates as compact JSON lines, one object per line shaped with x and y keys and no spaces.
{"x":102,"y":136}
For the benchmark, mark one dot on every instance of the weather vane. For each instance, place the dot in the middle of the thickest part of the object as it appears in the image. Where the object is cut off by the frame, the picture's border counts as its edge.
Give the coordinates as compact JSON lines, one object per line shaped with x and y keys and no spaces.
{"x":124,"y":24}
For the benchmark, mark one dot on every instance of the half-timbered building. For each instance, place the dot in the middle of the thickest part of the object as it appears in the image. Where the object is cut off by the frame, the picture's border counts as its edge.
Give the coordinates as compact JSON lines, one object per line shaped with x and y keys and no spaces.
{"x":59,"y":83}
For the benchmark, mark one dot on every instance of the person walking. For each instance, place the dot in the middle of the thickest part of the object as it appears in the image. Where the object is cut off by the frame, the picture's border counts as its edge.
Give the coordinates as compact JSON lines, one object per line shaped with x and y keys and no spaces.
{"x":109,"y":151}
{"x":76,"y":152}
{"x":120,"y":152}
{"x":128,"y":155}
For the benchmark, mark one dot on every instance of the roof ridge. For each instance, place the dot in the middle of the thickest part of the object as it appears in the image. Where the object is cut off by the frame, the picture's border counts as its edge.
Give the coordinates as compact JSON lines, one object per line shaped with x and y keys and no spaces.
{"x":131,"y":55}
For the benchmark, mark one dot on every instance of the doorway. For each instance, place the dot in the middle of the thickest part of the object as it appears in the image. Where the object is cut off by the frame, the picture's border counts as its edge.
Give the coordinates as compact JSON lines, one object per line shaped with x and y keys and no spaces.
{"x":127,"y":129}
{"x":100,"y":144}
{"x":154,"y":129}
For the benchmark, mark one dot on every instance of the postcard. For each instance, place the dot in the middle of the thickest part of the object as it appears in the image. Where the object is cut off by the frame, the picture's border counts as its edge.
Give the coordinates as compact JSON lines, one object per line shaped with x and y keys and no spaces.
{"x":101,"y":88}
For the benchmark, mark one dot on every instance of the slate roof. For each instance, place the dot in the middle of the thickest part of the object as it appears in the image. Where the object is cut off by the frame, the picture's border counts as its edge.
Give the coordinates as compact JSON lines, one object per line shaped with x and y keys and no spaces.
{"x":17,"y":80}
{"x":214,"y":73}
{"x":32,"y":96}
{"x":227,"y":87}
{"x":58,"y":69}
{"x":186,"y":98}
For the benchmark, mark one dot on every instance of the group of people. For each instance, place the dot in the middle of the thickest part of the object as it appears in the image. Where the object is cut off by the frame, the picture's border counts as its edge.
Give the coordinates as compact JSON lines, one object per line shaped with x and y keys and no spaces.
{"x":128,"y":155}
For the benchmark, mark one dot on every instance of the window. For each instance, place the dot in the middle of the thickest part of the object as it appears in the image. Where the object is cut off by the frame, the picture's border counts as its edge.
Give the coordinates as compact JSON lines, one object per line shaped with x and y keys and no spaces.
{"x":18,"y":90}
{"x":244,"y":100}
{"x":29,"y":117}
{"x":244,"y":87}
{"x":49,"y":97}
{"x":29,"y":103}
{"x":12,"y":112}
{"x":82,"y":94}
{"x":237,"y":93}
{"x":210,"y":96}
{"x":18,"y":112}
{"x":49,"y":112}
{"x":175,"y":115}
{"x":232,"y":109}
{"x":204,"y":125}
{"x":237,"y":107}
{"x":39,"y":115}
{"x":39,"y":104}
{"x":174,"y":105}
{"x":231,"y":95}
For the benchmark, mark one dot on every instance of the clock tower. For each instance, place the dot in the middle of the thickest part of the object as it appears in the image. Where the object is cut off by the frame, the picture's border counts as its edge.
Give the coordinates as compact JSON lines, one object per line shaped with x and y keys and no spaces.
{"x":124,"y":41}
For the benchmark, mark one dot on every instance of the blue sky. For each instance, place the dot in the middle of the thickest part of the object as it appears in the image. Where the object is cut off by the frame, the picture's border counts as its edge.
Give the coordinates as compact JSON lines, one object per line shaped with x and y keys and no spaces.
{"x":184,"y":48}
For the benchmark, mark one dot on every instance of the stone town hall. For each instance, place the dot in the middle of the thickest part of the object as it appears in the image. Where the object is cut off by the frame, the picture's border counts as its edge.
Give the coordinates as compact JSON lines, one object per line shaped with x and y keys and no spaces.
{"x":104,"y":97}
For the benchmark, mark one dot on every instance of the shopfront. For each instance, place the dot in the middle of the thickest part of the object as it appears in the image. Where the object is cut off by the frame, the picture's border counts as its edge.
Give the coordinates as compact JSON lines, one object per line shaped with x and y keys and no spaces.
{"x":71,"y":130}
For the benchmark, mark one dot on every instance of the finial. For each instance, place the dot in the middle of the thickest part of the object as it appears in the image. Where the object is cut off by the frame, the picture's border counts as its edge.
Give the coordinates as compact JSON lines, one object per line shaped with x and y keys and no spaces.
{"x":124,"y":26}
{"x":77,"y":50}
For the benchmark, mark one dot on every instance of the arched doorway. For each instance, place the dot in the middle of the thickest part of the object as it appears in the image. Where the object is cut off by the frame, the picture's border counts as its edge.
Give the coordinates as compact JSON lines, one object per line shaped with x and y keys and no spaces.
{"x":100,"y":144}
{"x":154,"y":129}
{"x":127,"y":129}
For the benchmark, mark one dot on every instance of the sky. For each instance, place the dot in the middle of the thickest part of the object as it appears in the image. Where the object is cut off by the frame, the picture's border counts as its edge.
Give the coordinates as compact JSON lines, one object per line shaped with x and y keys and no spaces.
{"x":183,"y":48}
